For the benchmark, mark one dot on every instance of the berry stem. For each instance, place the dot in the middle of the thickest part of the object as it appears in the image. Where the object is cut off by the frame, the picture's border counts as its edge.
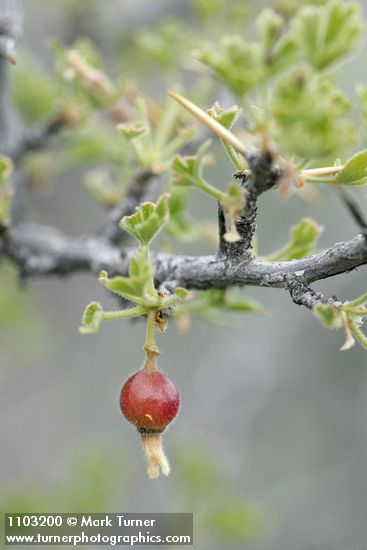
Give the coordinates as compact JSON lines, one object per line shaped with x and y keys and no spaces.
{"x":156,"y":459}
{"x":150,"y":345}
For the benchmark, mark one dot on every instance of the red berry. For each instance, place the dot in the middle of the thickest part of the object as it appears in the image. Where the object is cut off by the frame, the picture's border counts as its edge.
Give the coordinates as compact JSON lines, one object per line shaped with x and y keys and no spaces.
{"x":149,"y":400}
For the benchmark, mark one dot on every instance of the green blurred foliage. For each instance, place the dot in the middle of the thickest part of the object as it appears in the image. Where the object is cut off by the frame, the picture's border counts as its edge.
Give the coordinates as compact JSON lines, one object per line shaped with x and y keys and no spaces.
{"x":326,"y":33}
{"x":303,"y":239}
{"x":308,"y":117}
{"x":91,"y":487}
{"x":220,"y":513}
{"x":34,"y":90}
{"x":17,"y":306}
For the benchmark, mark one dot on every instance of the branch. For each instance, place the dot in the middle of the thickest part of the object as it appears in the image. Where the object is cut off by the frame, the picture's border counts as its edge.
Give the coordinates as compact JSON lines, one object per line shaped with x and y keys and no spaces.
{"x":11,"y":19}
{"x":38,"y":137}
{"x":10,"y":29}
{"x":43,"y":251}
{"x":263,"y":175}
{"x":353,"y":207}
{"x":303,"y":295}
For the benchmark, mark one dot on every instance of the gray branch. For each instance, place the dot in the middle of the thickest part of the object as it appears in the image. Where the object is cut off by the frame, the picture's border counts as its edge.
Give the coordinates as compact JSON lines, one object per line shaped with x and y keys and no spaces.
{"x":303,"y":295}
{"x":10,"y":30}
{"x":34,"y":139}
{"x":261,"y":177}
{"x":43,"y":251}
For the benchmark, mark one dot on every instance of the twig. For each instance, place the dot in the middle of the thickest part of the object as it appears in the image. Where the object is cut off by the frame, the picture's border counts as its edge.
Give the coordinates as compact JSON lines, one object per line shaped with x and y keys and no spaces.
{"x":353,"y":207}
{"x":37,"y":138}
{"x":303,"y":295}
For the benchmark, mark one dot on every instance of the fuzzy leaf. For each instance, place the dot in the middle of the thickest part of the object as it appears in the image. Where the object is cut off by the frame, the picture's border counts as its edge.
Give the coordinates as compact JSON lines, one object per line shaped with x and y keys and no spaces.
{"x":307,"y":116}
{"x":133,"y":130}
{"x":226,"y":117}
{"x":148,"y":220}
{"x":92,"y":318}
{"x":326,"y":33}
{"x":187,"y":170}
{"x":270,"y":26}
{"x":354,"y":172}
{"x":328,"y":316}
{"x":182,"y":294}
{"x":303,"y":238}
{"x":138,"y":287}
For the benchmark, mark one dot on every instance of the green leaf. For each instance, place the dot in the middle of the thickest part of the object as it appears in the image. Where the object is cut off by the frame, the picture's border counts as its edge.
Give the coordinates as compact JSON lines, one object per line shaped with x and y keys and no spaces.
{"x":165,"y":45}
{"x":303,"y":239}
{"x":270,"y":26}
{"x":226,"y":117}
{"x":307,"y":116}
{"x":354,"y":171}
{"x":328,"y":315}
{"x":148,"y":220}
{"x":244,"y":65}
{"x":182,"y":294}
{"x":187,"y":171}
{"x":235,"y":61}
{"x":138,"y":287}
{"x":326,"y":33}
{"x":132,"y":130}
{"x":92,"y":318}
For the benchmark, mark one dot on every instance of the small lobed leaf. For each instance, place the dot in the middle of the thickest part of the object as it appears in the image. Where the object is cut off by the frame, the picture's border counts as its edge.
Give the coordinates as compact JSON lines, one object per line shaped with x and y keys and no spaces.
{"x":307,"y":116}
{"x":92,"y":318}
{"x":132,"y":130}
{"x":326,"y":33}
{"x":235,"y":61}
{"x":354,"y":171}
{"x":303,"y":239}
{"x":226,"y":117}
{"x":328,"y":315}
{"x":138,"y":287}
{"x":148,"y":220}
{"x":182,"y":294}
{"x":270,"y":25}
{"x":187,"y":171}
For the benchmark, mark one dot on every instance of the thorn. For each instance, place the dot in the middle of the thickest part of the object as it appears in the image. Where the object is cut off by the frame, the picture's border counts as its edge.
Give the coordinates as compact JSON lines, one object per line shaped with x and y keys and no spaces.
{"x":217,"y":128}
{"x":326,"y":171}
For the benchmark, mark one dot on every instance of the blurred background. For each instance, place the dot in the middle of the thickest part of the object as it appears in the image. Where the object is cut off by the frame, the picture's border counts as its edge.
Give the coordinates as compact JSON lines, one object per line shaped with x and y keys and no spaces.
{"x":270,"y":448}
